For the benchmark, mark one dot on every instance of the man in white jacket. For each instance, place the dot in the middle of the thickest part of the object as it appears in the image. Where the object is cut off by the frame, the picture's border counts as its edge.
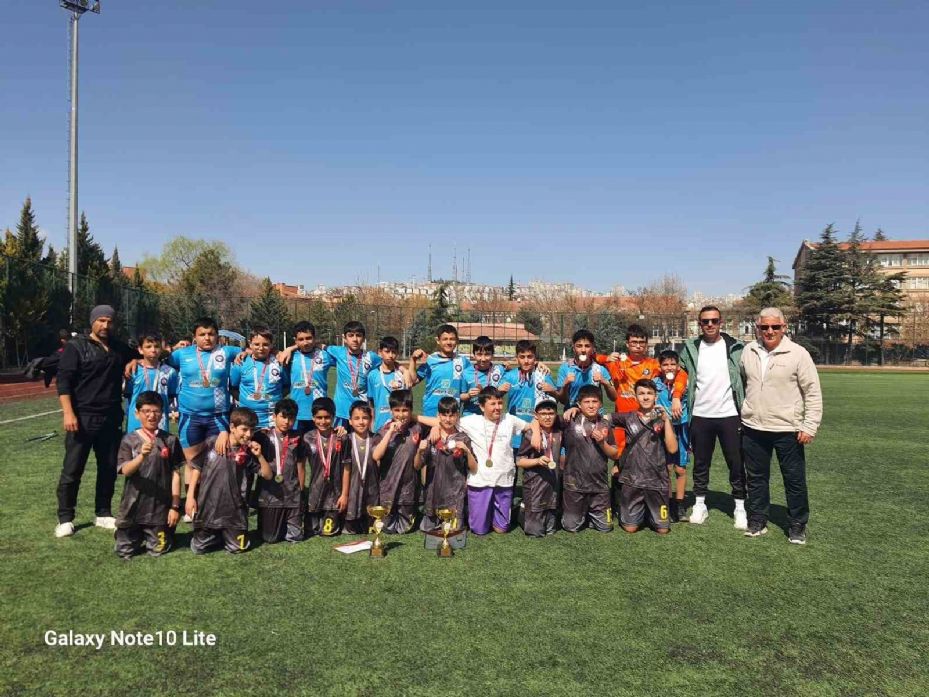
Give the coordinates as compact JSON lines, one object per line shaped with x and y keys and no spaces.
{"x":781,"y":413}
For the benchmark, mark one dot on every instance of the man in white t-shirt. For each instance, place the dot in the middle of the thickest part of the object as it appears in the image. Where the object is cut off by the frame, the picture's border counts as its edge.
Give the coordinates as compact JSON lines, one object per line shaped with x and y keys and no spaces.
{"x":714,"y":398}
{"x":490,"y":488}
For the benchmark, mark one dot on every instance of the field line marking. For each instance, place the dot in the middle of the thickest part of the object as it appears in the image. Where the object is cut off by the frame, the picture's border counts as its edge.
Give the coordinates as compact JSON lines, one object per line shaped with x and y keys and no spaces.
{"x":31,"y":416}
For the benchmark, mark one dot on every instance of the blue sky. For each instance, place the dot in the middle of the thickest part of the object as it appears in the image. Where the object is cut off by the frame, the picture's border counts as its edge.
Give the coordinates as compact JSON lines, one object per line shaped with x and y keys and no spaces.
{"x":598,"y":142}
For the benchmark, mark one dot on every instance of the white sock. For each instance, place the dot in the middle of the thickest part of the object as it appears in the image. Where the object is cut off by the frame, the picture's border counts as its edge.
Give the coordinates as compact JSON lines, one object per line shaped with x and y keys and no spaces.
{"x":740,"y":504}
{"x":701,"y":501}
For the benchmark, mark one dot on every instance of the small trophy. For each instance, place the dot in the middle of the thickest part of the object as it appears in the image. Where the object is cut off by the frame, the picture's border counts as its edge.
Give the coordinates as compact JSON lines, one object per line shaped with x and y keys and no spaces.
{"x":447,"y":515}
{"x":377,"y":545}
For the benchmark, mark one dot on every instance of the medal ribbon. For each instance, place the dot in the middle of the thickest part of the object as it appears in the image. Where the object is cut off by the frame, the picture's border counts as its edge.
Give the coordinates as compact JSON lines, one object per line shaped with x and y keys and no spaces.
{"x":363,"y":466}
{"x":325,"y":454}
{"x":312,"y":378}
{"x":547,"y":446}
{"x":151,"y":435}
{"x":490,"y":443}
{"x":259,"y":381}
{"x":205,"y":372}
{"x":395,"y":375}
{"x":280,"y":450}
{"x":357,"y":369}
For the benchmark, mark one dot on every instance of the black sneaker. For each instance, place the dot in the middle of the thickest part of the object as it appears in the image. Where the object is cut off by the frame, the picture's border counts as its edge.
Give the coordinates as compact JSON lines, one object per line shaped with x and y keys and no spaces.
{"x":756,"y":528}
{"x":674,"y":511}
{"x":797,"y":535}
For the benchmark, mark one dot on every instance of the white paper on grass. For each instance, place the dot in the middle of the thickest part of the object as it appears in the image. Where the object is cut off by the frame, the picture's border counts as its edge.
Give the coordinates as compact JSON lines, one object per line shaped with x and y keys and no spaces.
{"x":353,"y":547}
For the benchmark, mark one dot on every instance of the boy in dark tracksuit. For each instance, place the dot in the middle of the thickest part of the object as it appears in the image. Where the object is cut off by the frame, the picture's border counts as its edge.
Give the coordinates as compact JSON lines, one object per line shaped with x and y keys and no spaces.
{"x":400,"y":483}
{"x":541,"y":467}
{"x":330,"y":466}
{"x":365,"y":484}
{"x":279,"y":489}
{"x":215,"y":500}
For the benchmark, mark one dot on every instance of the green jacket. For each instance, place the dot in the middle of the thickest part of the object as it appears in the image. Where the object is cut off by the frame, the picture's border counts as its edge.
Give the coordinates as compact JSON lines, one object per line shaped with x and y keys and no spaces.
{"x":689,"y":355}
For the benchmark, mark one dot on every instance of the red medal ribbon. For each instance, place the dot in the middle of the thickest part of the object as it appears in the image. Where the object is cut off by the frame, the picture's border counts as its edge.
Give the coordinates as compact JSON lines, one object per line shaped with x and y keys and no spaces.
{"x":325,"y":452}
{"x":490,"y":443}
{"x":357,"y":369}
{"x":282,"y":450}
{"x":259,"y":379}
{"x":204,"y":372}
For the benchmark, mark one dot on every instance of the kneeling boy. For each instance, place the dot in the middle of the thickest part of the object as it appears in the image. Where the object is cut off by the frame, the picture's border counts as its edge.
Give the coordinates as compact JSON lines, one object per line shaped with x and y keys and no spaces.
{"x":215,"y":500}
{"x":644,"y":471}
{"x":150,"y":459}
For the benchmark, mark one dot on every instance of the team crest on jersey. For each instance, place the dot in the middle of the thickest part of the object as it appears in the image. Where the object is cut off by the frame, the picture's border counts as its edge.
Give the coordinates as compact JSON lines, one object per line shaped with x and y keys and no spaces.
{"x":647,"y":371}
{"x":275,"y":373}
{"x":318,"y":360}
{"x":164,"y":381}
{"x":219,"y":358}
{"x":458,"y":367}
{"x":366,"y":361}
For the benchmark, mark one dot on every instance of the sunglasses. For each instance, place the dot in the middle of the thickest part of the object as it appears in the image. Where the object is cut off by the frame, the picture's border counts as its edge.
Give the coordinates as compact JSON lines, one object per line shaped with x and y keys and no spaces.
{"x":710,"y":320}
{"x":766,"y":327}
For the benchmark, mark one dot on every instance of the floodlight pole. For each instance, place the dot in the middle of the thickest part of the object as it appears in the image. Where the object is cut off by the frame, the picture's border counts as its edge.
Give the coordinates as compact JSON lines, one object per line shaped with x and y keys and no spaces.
{"x":76,"y":8}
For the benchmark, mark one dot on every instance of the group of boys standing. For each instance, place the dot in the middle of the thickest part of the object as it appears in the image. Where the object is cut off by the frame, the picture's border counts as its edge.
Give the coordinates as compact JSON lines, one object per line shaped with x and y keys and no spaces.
{"x":312,"y":465}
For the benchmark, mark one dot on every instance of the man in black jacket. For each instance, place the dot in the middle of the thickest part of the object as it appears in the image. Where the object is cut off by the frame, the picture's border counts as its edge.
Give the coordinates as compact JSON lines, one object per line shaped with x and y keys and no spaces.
{"x":90,"y":376}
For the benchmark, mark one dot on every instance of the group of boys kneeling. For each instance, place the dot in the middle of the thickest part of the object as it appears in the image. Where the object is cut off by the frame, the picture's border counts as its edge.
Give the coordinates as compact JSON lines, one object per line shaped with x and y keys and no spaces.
{"x":322,"y":481}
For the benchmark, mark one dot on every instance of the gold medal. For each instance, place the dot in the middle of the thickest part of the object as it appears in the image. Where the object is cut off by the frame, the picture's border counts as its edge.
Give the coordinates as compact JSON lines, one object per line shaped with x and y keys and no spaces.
{"x":279,"y":478}
{"x":489,"y":462}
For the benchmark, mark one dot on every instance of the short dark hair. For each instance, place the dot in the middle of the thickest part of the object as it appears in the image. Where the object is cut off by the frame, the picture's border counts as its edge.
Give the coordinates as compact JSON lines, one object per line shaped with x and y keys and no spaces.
{"x":323,"y":404}
{"x":206,"y":323}
{"x":669,"y":354}
{"x":304,"y":327}
{"x":149,"y":336}
{"x":709,"y":308}
{"x":149,"y":398}
{"x":482,"y":342}
{"x":448,"y":405}
{"x":400,"y":398}
{"x":525,"y":346}
{"x":582,"y":334}
{"x":287,"y":408}
{"x":354,"y":326}
{"x":445,"y":329}
{"x":646,"y":383}
{"x":390,"y":343}
{"x":363,"y":406}
{"x":589,"y":391}
{"x":243,"y":416}
{"x":263,"y":332}
{"x":637,"y":331}
{"x":547,"y":404}
{"x":488,"y":392}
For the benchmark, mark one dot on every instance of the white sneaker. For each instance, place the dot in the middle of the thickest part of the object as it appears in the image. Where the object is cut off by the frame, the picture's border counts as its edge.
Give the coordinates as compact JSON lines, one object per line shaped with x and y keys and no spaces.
{"x":699,"y":514}
{"x":64,"y":529}
{"x":741,"y":519}
{"x":106,"y":522}
{"x":187,"y":519}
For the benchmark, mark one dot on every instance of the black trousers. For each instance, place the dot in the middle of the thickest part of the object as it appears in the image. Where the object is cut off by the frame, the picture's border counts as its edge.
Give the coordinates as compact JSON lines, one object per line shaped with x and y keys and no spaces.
{"x":758,"y":447}
{"x":704,"y":432}
{"x":102,"y":433}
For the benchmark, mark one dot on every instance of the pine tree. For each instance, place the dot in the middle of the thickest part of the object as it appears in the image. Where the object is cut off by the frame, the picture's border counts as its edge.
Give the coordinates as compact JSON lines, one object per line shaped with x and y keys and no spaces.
{"x":511,"y":290}
{"x":771,"y":291}
{"x":268,"y":309}
{"x":821,"y":295}
{"x":879,"y":235}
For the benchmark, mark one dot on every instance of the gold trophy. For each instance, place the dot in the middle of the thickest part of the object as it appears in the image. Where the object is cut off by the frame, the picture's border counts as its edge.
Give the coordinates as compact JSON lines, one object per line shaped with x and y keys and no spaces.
{"x":377,"y":545}
{"x":447,"y":515}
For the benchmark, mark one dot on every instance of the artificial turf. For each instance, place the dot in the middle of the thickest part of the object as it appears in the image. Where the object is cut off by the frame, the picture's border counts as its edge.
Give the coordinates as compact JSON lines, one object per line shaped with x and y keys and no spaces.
{"x":702,"y":611}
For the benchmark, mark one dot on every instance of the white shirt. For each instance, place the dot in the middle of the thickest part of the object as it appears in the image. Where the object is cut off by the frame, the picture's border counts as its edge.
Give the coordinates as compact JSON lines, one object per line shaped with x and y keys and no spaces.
{"x":713,"y":398}
{"x":763,"y":356}
{"x":481,"y":432}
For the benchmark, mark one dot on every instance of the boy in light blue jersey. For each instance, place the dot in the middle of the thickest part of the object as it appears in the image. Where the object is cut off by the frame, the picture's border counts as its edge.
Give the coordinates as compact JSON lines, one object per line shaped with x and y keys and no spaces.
{"x":672,"y":372}
{"x":443,"y":371}
{"x":582,"y":370}
{"x":483,"y":373}
{"x":204,"y":398}
{"x":527,"y":385}
{"x":259,"y":381}
{"x":151,"y":374}
{"x":388,"y":377}
{"x":307,"y":369}
{"x":352,"y":365}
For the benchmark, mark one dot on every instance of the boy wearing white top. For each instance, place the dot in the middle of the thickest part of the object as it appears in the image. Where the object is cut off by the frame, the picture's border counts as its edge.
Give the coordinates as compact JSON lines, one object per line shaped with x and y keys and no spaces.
{"x":714,"y":398}
{"x":490,"y":488}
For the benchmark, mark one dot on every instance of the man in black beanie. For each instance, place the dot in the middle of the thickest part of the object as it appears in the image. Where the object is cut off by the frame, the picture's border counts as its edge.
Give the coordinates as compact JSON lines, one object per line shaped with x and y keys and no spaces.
{"x":90,"y":377}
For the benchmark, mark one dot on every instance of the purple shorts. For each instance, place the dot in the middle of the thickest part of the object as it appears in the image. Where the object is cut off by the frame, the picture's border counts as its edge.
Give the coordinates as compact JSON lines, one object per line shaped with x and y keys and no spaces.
{"x":489,"y":506}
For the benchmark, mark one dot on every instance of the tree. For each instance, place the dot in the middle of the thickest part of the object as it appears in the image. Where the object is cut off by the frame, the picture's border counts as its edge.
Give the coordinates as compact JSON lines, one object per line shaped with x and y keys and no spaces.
{"x":440,"y":306}
{"x":268,"y":309}
{"x":178,"y":256}
{"x":771,"y":291}
{"x":879,"y":235}
{"x":532,"y":321}
{"x":511,"y":289}
{"x":821,"y":295}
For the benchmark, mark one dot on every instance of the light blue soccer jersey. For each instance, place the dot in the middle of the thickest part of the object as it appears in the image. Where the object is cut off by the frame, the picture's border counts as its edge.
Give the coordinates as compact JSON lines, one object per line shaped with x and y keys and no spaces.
{"x":162,"y":380}
{"x":524,"y":393}
{"x":445,"y":377}
{"x":262,"y":384}
{"x":664,"y":397}
{"x":475,"y":377}
{"x":380,"y":385}
{"x":581,"y":377}
{"x":204,"y":379}
{"x":308,"y":370}
{"x":351,"y":374}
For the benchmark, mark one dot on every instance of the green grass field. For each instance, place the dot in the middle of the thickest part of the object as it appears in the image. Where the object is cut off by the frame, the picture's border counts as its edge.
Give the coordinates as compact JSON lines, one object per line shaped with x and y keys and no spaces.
{"x":704,"y":611}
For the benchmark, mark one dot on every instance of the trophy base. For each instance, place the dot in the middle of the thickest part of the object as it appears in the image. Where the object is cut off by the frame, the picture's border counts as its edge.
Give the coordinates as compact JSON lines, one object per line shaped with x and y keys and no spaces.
{"x":378,"y":552}
{"x":446,"y":551}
